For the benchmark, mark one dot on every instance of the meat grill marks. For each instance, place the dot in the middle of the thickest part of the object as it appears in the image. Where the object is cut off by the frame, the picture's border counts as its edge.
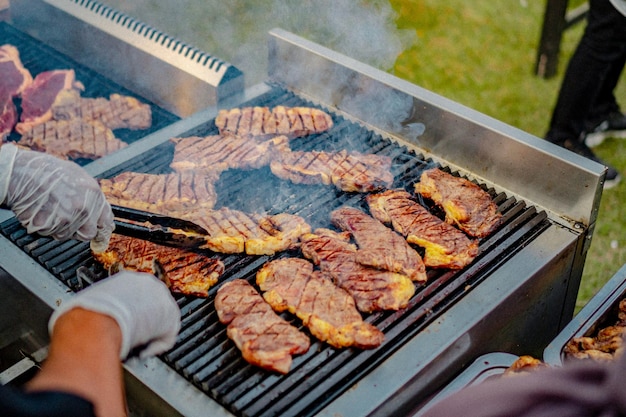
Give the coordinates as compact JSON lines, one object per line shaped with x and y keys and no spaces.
{"x":183,"y":271}
{"x":466,"y":204}
{"x":234,"y":231}
{"x":40,"y":96}
{"x":116,"y":112}
{"x":264,"y":338}
{"x":222,"y":152}
{"x":328,"y":311}
{"x":372,"y":289}
{"x":261,"y":123}
{"x":71,"y":139}
{"x":348,"y":171}
{"x":445,"y":245}
{"x":379,"y":246}
{"x":162,"y":193}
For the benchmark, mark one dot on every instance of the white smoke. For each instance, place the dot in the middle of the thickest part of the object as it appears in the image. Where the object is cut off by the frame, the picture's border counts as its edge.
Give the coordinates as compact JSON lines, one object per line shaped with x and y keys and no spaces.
{"x":236,"y":31}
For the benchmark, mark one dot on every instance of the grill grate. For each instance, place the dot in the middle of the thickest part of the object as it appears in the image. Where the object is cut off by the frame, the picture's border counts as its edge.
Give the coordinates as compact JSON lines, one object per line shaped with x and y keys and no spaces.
{"x":209,"y":360}
{"x":37,"y":57}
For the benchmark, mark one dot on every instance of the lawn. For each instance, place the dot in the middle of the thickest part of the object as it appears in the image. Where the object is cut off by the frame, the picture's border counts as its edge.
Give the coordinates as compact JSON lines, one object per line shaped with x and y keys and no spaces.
{"x":480,"y":54}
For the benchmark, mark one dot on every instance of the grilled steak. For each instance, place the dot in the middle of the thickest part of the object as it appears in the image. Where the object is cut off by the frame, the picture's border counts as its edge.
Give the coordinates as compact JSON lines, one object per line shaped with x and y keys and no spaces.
{"x":445,"y":245}
{"x":15,"y":78}
{"x":264,"y":338}
{"x":183,"y":271}
{"x":372,"y":289}
{"x":221,"y":152}
{"x":328,"y":311}
{"x":72,"y":139}
{"x":261,"y":123}
{"x":8,"y":117}
{"x":162,"y":193}
{"x":379,"y":246}
{"x":40,"y":96}
{"x":351,"y":172}
{"x":233,"y":231}
{"x":117,"y":112}
{"x":466,"y":204}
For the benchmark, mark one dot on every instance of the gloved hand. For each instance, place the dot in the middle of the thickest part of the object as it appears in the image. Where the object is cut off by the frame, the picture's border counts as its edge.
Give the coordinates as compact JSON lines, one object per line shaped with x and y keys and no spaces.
{"x":54,"y":197}
{"x":143,"y":307}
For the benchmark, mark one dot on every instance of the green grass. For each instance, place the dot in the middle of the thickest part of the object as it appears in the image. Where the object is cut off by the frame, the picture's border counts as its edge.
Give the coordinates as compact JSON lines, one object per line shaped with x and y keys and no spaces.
{"x":482,"y":54}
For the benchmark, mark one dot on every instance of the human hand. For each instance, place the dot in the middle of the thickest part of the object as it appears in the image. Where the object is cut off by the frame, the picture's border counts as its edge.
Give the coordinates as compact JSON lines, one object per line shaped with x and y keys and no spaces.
{"x":143,"y":307}
{"x":54,"y":197}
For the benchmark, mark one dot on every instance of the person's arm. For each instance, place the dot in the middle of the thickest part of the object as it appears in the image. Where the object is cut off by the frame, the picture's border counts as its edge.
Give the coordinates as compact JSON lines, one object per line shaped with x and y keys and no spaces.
{"x":83,"y":359}
{"x":93,"y":331}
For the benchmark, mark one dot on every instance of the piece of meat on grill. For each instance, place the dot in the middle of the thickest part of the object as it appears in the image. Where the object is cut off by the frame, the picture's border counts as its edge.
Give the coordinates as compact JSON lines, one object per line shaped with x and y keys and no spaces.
{"x":15,"y":78}
{"x":234,"y":231}
{"x":116,"y":112}
{"x":72,"y":139}
{"x":184,"y":272}
{"x":162,"y":193}
{"x":523,"y":365}
{"x":8,"y":117}
{"x":263,"y":123}
{"x":328,"y":311}
{"x":379,"y":246}
{"x":466,"y":205}
{"x":222,"y":152}
{"x":372,"y":289}
{"x":40,"y":96}
{"x":348,"y":171}
{"x":264,"y":338}
{"x":445,"y":245}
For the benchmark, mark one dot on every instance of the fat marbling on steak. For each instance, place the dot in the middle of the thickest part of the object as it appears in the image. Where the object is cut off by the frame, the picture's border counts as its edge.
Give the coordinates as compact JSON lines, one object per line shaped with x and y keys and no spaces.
{"x":348,"y":171}
{"x":466,"y":205}
{"x":40,"y":96}
{"x":263,"y":123}
{"x":184,"y":271}
{"x":445,"y":245}
{"x":328,"y":311}
{"x":116,"y":112}
{"x":264,"y":338}
{"x":372,"y":289}
{"x":379,"y":246}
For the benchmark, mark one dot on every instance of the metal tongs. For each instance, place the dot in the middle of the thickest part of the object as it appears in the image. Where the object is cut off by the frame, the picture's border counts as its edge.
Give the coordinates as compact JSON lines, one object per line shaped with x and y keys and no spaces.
{"x":158,"y":228}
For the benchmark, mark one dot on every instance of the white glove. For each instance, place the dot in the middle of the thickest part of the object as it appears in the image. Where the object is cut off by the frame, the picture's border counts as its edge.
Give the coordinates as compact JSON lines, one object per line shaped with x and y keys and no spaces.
{"x":142,"y":306}
{"x":54,"y":197}
{"x":620,"y":5}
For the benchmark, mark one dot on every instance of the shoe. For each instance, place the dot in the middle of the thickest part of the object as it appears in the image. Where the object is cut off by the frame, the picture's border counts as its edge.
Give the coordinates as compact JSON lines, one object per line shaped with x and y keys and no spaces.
{"x":612,"y":175}
{"x":614,"y":126}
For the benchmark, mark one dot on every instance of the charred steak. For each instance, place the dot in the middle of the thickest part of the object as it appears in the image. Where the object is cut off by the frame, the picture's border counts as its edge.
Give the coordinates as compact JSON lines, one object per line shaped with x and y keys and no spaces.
{"x":116,"y":112}
{"x":372,"y":289}
{"x":221,"y":152}
{"x":72,"y":139}
{"x":466,"y":204}
{"x":162,"y":193}
{"x":261,"y":123}
{"x":445,"y":245}
{"x":183,"y":271}
{"x":351,"y":172}
{"x":379,"y":246}
{"x":234,"y":231}
{"x":328,"y":311}
{"x":264,"y":338}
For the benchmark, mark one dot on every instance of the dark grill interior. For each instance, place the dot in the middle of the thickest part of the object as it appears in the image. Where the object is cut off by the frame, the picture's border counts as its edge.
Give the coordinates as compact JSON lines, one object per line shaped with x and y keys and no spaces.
{"x":38,"y":57}
{"x":203,"y":354}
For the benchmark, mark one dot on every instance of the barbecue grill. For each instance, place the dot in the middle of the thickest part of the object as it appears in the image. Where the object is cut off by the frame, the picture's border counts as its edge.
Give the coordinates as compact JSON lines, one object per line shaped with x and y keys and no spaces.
{"x":515,"y":297}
